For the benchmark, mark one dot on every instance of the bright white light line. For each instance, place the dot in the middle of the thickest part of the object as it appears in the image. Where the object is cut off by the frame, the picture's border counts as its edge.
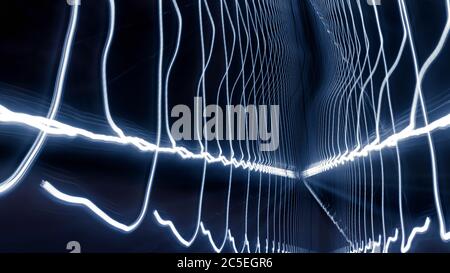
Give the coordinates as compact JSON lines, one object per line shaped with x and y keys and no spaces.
{"x":56,"y":128}
{"x":390,"y":142}
{"x":87,"y":203}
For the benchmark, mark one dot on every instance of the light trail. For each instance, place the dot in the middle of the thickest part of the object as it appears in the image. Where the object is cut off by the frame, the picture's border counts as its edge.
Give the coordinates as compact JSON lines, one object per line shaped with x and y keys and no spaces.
{"x":39,"y":142}
{"x":390,"y":142}
{"x":87,"y":203}
{"x":390,"y":240}
{"x":59,"y":129}
{"x":329,"y":215}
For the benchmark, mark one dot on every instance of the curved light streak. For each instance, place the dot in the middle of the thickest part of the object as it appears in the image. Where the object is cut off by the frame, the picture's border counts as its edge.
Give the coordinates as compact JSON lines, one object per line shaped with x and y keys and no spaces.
{"x":39,"y":142}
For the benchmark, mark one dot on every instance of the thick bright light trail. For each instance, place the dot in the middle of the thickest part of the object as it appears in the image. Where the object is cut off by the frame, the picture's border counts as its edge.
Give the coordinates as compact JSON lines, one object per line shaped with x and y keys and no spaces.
{"x":59,"y":129}
{"x":390,"y":142}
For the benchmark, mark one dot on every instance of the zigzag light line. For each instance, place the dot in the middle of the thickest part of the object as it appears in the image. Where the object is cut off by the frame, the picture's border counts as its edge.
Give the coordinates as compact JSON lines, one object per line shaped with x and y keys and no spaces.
{"x":390,"y":142}
{"x":59,"y":129}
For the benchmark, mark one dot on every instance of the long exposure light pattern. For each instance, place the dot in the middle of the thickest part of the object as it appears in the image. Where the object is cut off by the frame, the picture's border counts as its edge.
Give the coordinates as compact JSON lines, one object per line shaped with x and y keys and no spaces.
{"x":250,"y":54}
{"x":265,"y":65}
{"x":353,"y":138}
